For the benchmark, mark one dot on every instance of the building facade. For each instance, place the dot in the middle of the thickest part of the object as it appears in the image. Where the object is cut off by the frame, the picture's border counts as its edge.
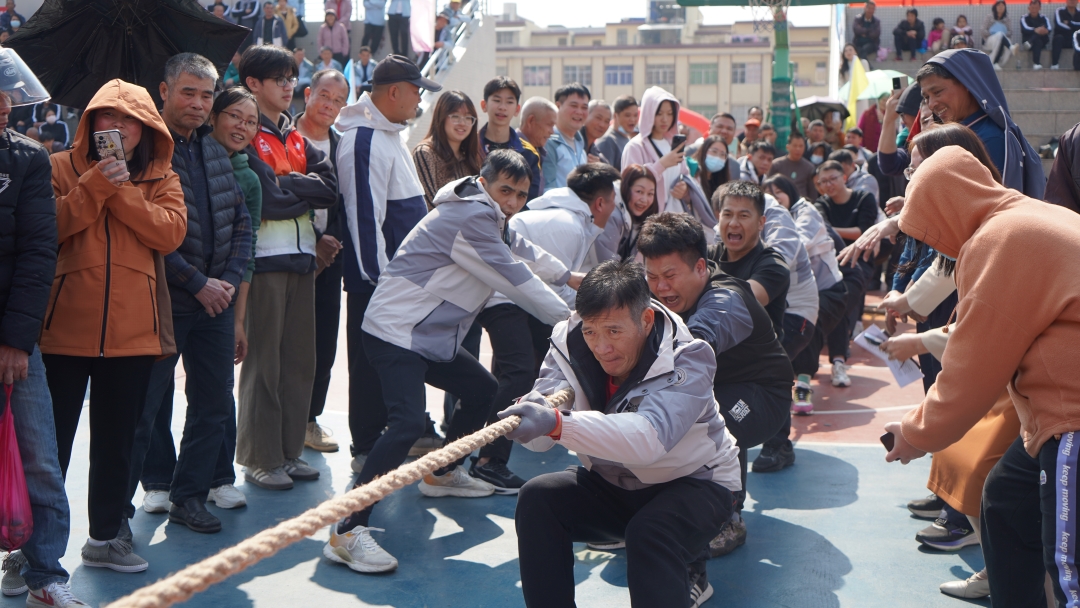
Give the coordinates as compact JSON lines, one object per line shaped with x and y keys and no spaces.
{"x":709,"y":68}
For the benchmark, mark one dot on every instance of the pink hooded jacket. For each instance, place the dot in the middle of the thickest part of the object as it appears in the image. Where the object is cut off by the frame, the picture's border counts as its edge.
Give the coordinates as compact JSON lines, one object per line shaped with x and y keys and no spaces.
{"x":640,"y":151}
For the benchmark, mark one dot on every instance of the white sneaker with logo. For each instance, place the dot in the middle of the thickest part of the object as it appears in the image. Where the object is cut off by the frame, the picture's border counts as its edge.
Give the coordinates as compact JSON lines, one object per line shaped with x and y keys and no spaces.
{"x":56,"y":595}
{"x":839,"y":374}
{"x":455,"y":483}
{"x":357,"y":550}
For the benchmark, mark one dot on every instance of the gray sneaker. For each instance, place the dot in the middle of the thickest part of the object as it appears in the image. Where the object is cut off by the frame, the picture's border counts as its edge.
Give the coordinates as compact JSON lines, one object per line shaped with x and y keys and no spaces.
{"x":299,"y":470}
{"x":268,"y":479}
{"x":114,"y":555}
{"x":357,"y":463}
{"x":732,"y":536}
{"x":13,"y":583}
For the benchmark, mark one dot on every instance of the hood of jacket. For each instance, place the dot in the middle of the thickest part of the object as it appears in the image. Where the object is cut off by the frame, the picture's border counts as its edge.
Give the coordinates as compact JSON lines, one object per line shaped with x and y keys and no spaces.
{"x":134,"y":101}
{"x":468,"y":190}
{"x":973,"y":69}
{"x":561,"y":198}
{"x":363,"y":113}
{"x":934,"y":215}
{"x":650,"y":103}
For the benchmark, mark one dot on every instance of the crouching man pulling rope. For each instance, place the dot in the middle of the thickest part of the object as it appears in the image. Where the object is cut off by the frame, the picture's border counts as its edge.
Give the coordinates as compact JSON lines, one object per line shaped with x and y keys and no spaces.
{"x":659,"y":464}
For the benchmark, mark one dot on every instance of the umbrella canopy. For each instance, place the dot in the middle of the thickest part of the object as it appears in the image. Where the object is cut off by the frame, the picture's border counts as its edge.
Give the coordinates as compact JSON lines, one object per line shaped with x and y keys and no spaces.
{"x":76,"y":46}
{"x":815,"y":108}
{"x":880,"y":84}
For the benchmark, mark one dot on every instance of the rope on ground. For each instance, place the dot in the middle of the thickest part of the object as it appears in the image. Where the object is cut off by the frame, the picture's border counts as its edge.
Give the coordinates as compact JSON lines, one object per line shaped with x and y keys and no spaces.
{"x":182,"y":585}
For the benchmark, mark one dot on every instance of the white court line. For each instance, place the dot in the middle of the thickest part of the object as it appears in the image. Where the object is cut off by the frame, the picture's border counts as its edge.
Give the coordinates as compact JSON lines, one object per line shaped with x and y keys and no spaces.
{"x":895,"y":408}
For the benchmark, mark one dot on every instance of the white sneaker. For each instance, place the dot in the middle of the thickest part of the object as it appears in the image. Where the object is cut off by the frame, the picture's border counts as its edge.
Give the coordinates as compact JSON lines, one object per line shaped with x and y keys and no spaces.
{"x":357,"y":550}
{"x":1036,"y":67}
{"x":156,"y":501}
{"x":357,"y":463}
{"x":975,"y":587}
{"x":606,"y":546}
{"x":227,"y":497}
{"x":455,"y":483}
{"x":318,"y":438}
{"x":56,"y":595}
{"x":1055,"y":67}
{"x":839,"y":374}
{"x":997,"y":68}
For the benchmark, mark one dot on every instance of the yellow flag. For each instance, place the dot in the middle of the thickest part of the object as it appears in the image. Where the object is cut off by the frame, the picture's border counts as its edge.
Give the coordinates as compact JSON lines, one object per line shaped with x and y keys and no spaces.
{"x":858,"y":83}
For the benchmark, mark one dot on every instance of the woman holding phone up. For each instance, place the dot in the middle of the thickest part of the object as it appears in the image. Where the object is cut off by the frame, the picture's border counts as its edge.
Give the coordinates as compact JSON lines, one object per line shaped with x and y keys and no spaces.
{"x":658,"y":147}
{"x":105,"y":323}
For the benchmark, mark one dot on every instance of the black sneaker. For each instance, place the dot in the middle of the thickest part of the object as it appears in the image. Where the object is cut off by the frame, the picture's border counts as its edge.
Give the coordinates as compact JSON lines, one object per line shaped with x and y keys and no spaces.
{"x":773,"y":459}
{"x":926,"y":508}
{"x":700,"y":589}
{"x":498,"y":475}
{"x":946,"y":536}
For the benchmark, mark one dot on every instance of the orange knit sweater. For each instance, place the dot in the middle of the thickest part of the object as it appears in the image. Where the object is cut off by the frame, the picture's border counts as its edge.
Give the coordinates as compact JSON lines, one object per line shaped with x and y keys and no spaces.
{"x":1018,"y":317}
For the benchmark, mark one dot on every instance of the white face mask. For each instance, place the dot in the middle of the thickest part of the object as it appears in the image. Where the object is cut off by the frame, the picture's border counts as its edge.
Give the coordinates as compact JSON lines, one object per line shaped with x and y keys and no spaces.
{"x":51,"y":119}
{"x":817,"y":160}
{"x":15,"y":23}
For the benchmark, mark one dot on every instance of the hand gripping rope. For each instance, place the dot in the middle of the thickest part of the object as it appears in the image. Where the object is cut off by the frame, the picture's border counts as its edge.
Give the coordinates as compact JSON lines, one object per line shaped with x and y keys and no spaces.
{"x":182,"y":585}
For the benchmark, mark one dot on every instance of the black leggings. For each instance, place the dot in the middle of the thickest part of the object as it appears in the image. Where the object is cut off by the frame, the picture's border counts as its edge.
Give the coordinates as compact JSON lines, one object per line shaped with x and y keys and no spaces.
{"x":666,"y":527}
{"x":116,"y":402}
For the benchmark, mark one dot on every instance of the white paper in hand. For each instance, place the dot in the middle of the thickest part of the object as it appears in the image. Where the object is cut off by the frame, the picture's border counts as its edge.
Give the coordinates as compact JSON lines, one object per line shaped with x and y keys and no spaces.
{"x":905,"y":372}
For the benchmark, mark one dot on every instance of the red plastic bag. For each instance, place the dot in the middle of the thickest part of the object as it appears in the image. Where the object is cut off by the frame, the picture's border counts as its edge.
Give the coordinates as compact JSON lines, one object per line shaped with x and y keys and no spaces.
{"x":16,"y":519}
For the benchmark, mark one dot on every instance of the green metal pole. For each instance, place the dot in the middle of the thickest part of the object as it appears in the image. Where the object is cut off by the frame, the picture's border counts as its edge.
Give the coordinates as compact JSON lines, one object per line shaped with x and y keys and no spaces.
{"x":781,"y":81}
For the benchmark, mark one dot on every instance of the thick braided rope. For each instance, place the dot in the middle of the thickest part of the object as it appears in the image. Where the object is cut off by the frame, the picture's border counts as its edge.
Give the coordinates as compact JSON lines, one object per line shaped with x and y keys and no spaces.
{"x":182,"y":585}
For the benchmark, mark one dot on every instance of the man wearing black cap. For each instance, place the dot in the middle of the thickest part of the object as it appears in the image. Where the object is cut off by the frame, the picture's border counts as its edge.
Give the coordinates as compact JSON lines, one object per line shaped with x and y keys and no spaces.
{"x":383,"y":200}
{"x":892,"y":155}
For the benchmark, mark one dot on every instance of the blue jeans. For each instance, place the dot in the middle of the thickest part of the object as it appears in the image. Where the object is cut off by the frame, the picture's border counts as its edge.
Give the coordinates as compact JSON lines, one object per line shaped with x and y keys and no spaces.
{"x":31,"y":404}
{"x":207,"y":344}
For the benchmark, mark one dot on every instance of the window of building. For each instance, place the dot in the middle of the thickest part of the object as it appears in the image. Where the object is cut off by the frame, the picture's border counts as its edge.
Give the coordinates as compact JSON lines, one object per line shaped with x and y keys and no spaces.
{"x":753,"y":73}
{"x":704,"y":73}
{"x":597,"y":42}
{"x":562,"y":41}
{"x":537,"y":76}
{"x":662,"y":74}
{"x":577,"y":73}
{"x":738,"y":73}
{"x":618,"y":74}
{"x":666,"y":36}
{"x":505,"y":38}
{"x":706,"y":111}
{"x":821,"y":69}
{"x":621,"y":37}
{"x":500,"y":70}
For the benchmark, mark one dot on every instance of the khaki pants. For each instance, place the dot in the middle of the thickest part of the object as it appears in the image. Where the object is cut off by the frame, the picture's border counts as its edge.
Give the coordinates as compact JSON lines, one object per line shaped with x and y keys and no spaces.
{"x":276,"y":378}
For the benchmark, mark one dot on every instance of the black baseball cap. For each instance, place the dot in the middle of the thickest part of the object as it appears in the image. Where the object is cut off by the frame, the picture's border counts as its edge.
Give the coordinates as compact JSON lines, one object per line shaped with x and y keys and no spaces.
{"x":395,"y":68}
{"x":910,"y":100}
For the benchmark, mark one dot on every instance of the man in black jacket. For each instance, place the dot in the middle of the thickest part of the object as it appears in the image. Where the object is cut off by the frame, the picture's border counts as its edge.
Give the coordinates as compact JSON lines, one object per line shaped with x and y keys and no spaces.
{"x":867,"y":32}
{"x":323,"y":100}
{"x":203,"y":276}
{"x":909,"y":35}
{"x":753,"y":375}
{"x":27,"y":266}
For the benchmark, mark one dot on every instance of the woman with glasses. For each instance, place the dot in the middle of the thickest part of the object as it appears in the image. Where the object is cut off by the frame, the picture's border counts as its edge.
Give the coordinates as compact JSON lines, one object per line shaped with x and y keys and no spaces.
{"x":451,"y":149}
{"x":235,"y":118}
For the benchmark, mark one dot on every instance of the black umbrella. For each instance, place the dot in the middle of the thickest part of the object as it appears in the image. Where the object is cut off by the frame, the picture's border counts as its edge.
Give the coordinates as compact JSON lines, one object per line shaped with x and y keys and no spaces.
{"x":76,"y":46}
{"x":815,"y":108}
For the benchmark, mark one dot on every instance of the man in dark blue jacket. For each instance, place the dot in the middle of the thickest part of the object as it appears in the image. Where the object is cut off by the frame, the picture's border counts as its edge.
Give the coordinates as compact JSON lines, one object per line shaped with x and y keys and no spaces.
{"x":203,"y":276}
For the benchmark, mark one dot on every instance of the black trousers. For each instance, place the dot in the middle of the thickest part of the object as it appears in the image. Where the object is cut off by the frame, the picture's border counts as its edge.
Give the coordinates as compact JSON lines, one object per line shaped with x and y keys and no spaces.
{"x":399,"y":34}
{"x":367,"y":410}
{"x":1059,"y":42}
{"x":666,"y":528}
{"x":404,"y":374}
{"x":116,"y":403}
{"x":753,"y":413}
{"x":1029,"y":512}
{"x":327,"y":321}
{"x":903,"y":42}
{"x":798,"y":333}
{"x":866,"y":48}
{"x":832,"y":304}
{"x":373,"y":37}
{"x":1038,"y":43}
{"x":512,"y":364}
{"x":939,"y":317}
{"x":839,"y":339}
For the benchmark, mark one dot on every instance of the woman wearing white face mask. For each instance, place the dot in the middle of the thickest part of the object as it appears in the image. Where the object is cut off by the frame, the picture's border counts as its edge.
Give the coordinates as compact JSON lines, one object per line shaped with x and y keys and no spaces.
{"x":712,"y":160}
{"x":54,"y":129}
{"x":818,"y":153}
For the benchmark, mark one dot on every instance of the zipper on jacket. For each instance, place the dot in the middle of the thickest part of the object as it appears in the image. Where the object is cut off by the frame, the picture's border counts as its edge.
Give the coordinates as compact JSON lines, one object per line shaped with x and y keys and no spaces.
{"x":153,"y":304}
{"x":108,"y":281}
{"x":59,"y":288}
{"x":297,"y":223}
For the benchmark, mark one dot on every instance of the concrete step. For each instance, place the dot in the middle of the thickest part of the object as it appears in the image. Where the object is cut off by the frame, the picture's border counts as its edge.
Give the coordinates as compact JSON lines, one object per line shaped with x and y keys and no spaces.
{"x":1054,"y":122}
{"x":1043,"y":99}
{"x":1041,"y":79}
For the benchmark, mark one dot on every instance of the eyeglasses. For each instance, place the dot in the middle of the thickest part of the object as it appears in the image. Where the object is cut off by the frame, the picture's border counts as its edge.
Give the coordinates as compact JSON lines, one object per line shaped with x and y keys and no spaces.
{"x":909,"y":172}
{"x":250,"y":125}
{"x":826,"y":181}
{"x":286,"y":82}
{"x":462,"y":120}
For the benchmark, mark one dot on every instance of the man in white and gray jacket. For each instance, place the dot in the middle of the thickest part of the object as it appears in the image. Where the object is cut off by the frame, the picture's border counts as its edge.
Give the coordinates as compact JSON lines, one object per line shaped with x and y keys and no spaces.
{"x":659,"y":465}
{"x":428,"y":296}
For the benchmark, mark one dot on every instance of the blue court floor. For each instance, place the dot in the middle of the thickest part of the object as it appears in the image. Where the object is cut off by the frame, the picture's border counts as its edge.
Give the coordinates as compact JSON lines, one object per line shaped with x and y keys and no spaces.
{"x":830,"y":531}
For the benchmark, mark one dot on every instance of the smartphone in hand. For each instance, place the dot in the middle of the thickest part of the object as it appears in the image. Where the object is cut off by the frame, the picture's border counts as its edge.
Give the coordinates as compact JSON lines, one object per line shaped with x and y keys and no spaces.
{"x":888,"y":440}
{"x":897,"y":83}
{"x":677,"y":141}
{"x":110,"y":145}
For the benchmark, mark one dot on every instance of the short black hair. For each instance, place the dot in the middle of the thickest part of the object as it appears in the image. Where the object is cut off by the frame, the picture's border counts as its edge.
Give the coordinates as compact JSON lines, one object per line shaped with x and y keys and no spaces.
{"x":739,"y":189}
{"x":267,"y":62}
{"x":783,"y":183}
{"x":362,"y":49}
{"x":723,"y":115}
{"x":938,"y":20}
{"x":829,"y":165}
{"x":622,"y":102}
{"x":843,"y":157}
{"x":591,"y":180}
{"x":762,"y":146}
{"x":931,"y":68}
{"x":233,"y":95}
{"x":613,"y":285}
{"x":667,"y":233}
{"x":499,"y":83}
{"x":796,"y":135}
{"x":766,"y":126}
{"x":913,"y":11}
{"x":574,"y":88}
{"x":509,"y":164}
{"x":856,"y":131}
